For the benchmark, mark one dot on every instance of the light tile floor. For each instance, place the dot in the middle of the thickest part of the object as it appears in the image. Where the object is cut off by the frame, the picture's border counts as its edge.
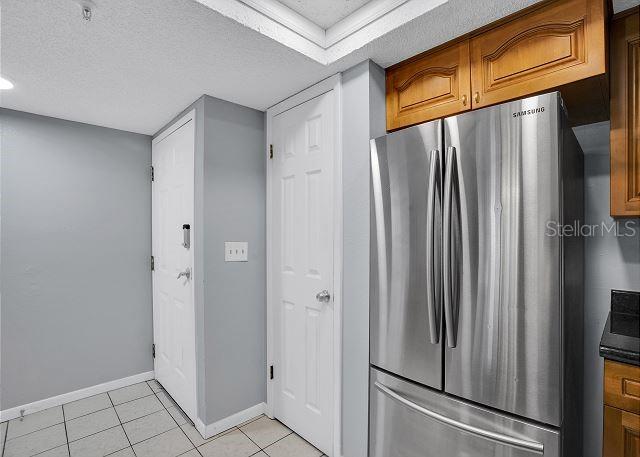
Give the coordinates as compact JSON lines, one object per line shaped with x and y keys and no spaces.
{"x":140,"y":421}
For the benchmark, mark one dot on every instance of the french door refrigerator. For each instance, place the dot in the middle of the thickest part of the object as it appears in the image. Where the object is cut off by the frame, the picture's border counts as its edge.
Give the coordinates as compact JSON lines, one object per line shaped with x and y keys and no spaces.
{"x":475,"y":299}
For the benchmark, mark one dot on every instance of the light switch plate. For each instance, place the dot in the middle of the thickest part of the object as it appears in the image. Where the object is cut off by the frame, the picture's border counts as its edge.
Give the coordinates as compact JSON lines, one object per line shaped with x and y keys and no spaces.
{"x":236,"y":251}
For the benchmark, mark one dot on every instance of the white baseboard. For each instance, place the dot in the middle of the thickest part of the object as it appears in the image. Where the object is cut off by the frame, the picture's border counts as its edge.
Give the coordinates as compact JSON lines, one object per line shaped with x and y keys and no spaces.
{"x":207,"y":431}
{"x":58,"y":400}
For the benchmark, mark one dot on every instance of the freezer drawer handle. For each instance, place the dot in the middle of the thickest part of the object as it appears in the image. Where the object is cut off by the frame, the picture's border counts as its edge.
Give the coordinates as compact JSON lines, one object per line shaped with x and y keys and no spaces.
{"x":498,"y":437}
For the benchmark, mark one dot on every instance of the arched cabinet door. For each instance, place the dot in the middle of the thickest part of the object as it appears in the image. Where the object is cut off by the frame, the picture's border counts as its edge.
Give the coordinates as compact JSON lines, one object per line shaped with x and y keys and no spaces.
{"x":431,"y":86}
{"x":549,"y":47}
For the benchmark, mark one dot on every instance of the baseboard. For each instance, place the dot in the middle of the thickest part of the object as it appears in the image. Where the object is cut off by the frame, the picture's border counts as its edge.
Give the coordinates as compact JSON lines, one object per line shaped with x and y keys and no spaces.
{"x":207,"y":431}
{"x":58,"y":400}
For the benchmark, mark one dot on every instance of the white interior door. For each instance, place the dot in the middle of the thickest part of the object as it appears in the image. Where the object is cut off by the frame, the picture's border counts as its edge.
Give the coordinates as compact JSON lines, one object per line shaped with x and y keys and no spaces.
{"x":302,"y":267}
{"x":173,"y":304}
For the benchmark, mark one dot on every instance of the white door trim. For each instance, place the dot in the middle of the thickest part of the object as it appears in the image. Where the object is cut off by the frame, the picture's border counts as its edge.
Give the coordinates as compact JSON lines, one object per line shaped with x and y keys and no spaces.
{"x":195,"y":272}
{"x":333,"y":83}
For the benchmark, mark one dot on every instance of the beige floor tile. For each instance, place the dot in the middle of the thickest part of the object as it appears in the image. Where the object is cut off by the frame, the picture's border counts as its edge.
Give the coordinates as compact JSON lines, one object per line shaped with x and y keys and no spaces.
{"x":177,"y":415}
{"x":195,"y":436}
{"x":129,"y":393}
{"x":91,"y":424}
{"x":34,"y":422}
{"x":265,"y":431}
{"x":137,"y":408}
{"x":165,"y":399}
{"x":169,"y":444}
{"x":292,"y":446}
{"x":127,"y":452}
{"x":100,"y":444}
{"x":86,"y":406}
{"x":232,"y":444}
{"x":36,"y":442}
{"x":149,"y":426}
{"x":191,"y":453}
{"x":155,"y":385}
{"x":60,"y":451}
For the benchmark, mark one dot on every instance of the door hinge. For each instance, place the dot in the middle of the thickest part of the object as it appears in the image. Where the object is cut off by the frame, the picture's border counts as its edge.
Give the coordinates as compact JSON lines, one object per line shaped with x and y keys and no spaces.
{"x":153,"y":350}
{"x":271,"y":151}
{"x":153,"y":263}
{"x":153,"y":174}
{"x":270,"y":371}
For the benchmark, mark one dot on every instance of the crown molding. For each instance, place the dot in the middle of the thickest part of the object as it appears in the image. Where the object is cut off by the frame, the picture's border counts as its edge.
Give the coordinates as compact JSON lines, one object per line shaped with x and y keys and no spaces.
{"x":279,"y":22}
{"x":360,"y":18}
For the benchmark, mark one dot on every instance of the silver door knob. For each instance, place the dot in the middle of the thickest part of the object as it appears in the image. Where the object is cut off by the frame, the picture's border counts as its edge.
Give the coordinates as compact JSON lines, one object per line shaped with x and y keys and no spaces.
{"x":186,"y":273}
{"x":324,"y":296}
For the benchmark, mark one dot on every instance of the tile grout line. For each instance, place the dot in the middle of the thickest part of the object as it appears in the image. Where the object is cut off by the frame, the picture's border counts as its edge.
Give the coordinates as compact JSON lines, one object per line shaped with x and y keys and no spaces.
{"x":4,"y":441}
{"x":120,"y":420}
{"x":66,"y":434}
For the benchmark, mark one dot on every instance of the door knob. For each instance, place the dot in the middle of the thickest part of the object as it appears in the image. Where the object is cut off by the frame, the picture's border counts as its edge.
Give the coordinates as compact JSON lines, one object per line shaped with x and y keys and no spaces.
{"x":324,"y":296}
{"x":186,"y":273}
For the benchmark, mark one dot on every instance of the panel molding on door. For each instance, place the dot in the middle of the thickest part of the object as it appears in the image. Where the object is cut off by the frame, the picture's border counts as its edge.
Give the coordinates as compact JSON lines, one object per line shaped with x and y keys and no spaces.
{"x":301,"y":269}
{"x":173,"y":192}
{"x":555,"y":45}
{"x":435,"y":85}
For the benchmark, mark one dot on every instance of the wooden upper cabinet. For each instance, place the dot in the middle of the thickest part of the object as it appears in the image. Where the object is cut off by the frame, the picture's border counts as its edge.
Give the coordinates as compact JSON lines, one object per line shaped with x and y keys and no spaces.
{"x":556,"y":44}
{"x":625,"y":115}
{"x":432,"y":86}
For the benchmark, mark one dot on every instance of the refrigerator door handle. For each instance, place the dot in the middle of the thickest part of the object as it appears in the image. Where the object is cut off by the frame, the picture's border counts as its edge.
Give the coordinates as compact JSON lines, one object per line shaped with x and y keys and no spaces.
{"x":449,"y":179}
{"x":532,"y":446}
{"x":434,"y":272}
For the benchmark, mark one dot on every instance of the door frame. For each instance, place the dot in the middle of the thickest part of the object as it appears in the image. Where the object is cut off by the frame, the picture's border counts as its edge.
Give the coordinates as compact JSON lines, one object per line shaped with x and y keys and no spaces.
{"x":196,"y":282}
{"x":330,"y":84}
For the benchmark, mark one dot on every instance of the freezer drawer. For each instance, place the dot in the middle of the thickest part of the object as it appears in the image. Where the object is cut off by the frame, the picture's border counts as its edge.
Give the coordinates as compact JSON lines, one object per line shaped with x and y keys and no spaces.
{"x":407,"y":420}
{"x":405,"y":277}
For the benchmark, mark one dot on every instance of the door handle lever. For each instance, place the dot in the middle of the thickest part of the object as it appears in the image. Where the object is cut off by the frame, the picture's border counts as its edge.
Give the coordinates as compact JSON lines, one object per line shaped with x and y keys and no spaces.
{"x":186,"y":273}
{"x":324,"y":296}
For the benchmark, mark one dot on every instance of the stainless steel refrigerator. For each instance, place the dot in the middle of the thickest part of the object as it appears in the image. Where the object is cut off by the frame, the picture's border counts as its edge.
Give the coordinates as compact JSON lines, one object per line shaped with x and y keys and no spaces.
{"x":475,"y":300}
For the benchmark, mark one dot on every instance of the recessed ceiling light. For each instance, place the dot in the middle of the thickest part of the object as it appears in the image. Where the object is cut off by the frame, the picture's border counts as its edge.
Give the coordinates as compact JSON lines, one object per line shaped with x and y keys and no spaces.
{"x":5,"y":84}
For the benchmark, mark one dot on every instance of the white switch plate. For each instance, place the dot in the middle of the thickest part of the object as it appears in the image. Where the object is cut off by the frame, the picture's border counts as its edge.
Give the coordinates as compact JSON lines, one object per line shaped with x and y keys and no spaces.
{"x":236,"y":251}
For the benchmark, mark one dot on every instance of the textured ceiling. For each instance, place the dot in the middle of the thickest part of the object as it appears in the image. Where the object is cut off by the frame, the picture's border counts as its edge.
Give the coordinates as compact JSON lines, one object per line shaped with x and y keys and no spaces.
{"x":139,"y":63}
{"x":325,"y":13}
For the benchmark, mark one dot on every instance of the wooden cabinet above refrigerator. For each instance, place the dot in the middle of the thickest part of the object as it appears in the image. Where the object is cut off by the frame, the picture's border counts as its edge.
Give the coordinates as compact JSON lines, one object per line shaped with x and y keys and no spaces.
{"x":557,"y":44}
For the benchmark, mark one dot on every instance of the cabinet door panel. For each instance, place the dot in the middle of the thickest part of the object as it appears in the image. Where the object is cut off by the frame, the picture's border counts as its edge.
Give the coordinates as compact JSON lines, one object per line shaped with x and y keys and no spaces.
{"x":621,"y":433}
{"x":625,"y":116}
{"x":433,"y":86}
{"x":557,"y":44}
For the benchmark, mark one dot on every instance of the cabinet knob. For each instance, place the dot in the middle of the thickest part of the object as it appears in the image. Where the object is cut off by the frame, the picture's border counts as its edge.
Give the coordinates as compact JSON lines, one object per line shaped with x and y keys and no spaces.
{"x":476,"y":97}
{"x":464,"y":100}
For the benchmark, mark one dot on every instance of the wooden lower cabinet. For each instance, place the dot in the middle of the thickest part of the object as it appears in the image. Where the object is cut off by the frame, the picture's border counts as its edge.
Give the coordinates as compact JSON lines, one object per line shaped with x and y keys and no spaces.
{"x":625,"y":115}
{"x":621,"y":433}
{"x":621,"y":410}
{"x":434,"y":86}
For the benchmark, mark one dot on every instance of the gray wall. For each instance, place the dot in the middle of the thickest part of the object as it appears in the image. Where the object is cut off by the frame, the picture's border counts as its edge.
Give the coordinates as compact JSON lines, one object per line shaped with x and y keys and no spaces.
{"x":235,"y":292}
{"x":363,"y":118}
{"x":76,"y":240}
{"x":230,"y":302}
{"x":610,"y":263}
